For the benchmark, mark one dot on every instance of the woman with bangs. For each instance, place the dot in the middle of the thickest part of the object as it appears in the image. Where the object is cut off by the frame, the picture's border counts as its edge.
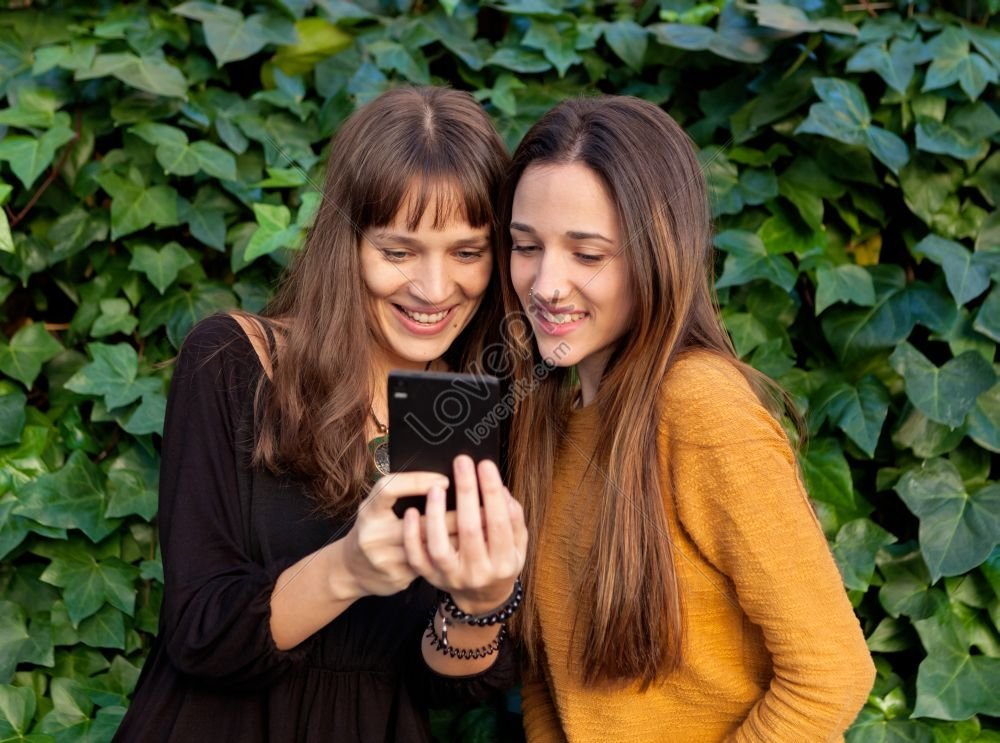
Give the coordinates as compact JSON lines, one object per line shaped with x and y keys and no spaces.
{"x":291,"y":611}
{"x":678,"y":585}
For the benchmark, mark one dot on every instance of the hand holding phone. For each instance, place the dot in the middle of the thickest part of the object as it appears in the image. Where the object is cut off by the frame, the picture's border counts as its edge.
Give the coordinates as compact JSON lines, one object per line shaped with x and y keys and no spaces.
{"x":492,"y":538}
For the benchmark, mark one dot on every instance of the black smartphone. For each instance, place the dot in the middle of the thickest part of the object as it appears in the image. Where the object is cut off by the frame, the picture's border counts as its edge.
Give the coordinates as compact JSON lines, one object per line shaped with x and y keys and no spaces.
{"x":436,"y":416}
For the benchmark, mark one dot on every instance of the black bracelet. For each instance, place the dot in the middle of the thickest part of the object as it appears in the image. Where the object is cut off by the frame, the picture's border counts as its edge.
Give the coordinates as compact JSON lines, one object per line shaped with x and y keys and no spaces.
{"x":440,"y":642}
{"x":502,"y":614}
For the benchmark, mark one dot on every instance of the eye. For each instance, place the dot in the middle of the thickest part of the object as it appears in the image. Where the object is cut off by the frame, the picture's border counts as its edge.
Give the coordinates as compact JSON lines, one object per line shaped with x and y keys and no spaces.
{"x":394,"y":255}
{"x":469,"y":255}
{"x":589,"y":258}
{"x":524,"y":248}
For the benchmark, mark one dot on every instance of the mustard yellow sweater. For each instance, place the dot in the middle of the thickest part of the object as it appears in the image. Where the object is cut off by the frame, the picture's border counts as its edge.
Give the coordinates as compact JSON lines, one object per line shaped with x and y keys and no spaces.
{"x":773,"y":650}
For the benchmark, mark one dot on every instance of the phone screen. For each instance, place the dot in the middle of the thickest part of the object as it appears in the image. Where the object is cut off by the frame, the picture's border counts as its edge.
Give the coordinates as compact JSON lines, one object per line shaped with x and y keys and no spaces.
{"x":434,"y":417}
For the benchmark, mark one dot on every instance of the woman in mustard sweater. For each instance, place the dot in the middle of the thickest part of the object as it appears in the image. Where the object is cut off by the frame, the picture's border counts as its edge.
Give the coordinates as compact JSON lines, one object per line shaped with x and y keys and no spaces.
{"x":678,"y":587}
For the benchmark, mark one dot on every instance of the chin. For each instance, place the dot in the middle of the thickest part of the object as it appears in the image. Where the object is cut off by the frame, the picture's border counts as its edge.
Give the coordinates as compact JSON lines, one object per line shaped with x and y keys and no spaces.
{"x":558,"y":351}
{"x":418,"y":351}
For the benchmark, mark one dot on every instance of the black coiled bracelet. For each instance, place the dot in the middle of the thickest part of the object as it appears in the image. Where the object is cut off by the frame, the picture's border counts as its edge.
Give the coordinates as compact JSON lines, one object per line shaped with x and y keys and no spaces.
{"x":440,"y":643}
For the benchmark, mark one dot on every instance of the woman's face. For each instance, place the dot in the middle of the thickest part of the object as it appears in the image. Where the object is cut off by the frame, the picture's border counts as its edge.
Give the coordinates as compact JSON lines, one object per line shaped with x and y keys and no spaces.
{"x":425,"y":284}
{"x":566,"y":264}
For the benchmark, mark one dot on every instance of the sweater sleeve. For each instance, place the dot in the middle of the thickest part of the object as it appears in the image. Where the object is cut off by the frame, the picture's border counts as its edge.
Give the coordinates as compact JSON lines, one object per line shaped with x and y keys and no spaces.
{"x":215,"y":619}
{"x":740,"y":498}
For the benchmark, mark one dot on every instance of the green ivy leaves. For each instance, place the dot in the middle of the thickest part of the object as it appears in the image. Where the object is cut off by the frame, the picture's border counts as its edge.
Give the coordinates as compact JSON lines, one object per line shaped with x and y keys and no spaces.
{"x":230,"y":36}
{"x":944,"y":394}
{"x":958,"y":530}
{"x":23,"y":357}
{"x":845,"y":283}
{"x":148,"y":73}
{"x":967,"y":273}
{"x":748,"y":258}
{"x":160,"y":266}
{"x":178,"y":157}
{"x":30,"y":156}
{"x":953,"y":62}
{"x":854,"y":183}
{"x":135,"y":206}
{"x":90,"y":584}
{"x":844,"y":116}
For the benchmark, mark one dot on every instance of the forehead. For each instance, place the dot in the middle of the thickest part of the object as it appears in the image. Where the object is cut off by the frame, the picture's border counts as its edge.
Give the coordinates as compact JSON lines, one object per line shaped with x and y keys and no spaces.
{"x":564,"y":197}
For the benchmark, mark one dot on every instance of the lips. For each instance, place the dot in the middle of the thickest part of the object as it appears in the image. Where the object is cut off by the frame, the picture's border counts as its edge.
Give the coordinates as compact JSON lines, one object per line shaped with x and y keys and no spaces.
{"x":558,"y":323}
{"x":560,"y":318}
{"x":424,"y":317}
{"x":422,"y":323}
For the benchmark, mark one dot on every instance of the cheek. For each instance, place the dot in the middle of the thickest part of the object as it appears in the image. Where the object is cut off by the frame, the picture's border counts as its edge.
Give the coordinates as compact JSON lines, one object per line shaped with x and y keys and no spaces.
{"x":614,"y":296}
{"x":380,"y":280}
{"x":522,"y":274}
{"x":475,"y":278}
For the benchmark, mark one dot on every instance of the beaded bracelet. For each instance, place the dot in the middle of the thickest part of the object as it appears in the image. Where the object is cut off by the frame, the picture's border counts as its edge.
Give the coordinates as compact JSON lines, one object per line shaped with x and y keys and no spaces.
{"x":504,"y":612}
{"x":440,"y":642}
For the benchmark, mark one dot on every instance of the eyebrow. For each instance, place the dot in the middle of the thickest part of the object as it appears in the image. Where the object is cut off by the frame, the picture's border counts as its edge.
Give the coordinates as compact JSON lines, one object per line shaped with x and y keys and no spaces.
{"x":571,"y":234}
{"x":465,"y":242}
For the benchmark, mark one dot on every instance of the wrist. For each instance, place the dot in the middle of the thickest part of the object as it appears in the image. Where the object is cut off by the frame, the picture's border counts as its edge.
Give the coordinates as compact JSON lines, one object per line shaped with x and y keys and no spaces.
{"x":482,"y":602}
{"x":342,"y":584}
{"x":484,"y":610}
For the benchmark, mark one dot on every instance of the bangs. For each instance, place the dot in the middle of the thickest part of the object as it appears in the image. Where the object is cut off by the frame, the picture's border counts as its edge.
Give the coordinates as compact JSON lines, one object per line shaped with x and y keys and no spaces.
{"x":452,"y":198}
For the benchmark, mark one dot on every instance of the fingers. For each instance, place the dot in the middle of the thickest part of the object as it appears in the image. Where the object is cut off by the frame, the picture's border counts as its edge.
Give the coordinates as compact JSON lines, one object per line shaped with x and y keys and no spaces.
{"x":471,"y":543}
{"x":388,"y":489}
{"x":451,"y":524}
{"x":498,"y":525}
{"x":413,"y":544}
{"x":519,"y":529}
{"x":492,"y":537}
{"x":443,"y":556}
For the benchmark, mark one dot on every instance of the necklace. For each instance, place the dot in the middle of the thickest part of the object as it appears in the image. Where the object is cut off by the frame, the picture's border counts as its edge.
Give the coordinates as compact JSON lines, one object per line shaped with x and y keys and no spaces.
{"x":378,"y":447}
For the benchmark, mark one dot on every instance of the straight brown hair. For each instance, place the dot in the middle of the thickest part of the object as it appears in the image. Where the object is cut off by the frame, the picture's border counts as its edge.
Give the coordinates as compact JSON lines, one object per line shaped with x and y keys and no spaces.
{"x":630,"y":617}
{"x":413,"y":149}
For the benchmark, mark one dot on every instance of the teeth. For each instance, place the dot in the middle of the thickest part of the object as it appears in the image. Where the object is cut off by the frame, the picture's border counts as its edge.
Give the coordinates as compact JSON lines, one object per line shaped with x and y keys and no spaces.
{"x":423,"y":317}
{"x":562,"y":317}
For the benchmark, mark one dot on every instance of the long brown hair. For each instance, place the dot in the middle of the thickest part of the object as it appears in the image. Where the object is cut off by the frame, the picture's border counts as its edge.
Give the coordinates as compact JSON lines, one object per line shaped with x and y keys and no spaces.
{"x":630,"y":612}
{"x":410,"y":148}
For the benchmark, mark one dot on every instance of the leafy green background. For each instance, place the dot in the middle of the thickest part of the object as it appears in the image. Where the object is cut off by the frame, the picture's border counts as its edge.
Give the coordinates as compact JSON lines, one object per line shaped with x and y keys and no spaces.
{"x":157,"y":164}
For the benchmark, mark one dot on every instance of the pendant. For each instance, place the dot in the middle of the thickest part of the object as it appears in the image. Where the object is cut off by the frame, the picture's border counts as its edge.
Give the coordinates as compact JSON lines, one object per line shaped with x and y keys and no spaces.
{"x":378,"y":447}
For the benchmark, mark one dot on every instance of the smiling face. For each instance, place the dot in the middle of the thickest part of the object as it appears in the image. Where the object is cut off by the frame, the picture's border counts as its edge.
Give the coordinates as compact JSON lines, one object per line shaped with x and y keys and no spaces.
{"x":567,"y":268}
{"x":425,"y":284}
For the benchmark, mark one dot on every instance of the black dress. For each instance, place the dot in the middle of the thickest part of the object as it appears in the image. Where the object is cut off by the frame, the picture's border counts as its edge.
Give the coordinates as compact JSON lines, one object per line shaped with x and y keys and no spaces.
{"x":226,"y":532}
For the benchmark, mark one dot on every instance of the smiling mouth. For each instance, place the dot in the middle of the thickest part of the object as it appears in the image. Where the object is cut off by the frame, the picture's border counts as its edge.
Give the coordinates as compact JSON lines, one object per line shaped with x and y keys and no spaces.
{"x":424,"y":318}
{"x":559,"y":318}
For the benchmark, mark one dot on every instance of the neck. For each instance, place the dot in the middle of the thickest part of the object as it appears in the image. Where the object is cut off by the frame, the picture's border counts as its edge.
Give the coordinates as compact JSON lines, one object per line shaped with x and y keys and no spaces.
{"x":591,"y":369}
{"x":382,"y":363}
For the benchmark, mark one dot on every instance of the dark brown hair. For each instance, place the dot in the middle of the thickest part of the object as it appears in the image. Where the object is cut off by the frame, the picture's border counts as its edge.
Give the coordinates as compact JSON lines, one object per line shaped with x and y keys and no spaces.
{"x":410,"y":148}
{"x":630,"y":612}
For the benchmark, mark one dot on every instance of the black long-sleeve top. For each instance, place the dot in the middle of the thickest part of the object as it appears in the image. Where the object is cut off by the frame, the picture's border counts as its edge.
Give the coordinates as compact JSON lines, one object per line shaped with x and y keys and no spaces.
{"x":227,"y":531}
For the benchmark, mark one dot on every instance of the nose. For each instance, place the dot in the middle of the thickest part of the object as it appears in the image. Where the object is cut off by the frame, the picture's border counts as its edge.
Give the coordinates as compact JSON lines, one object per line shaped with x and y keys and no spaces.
{"x":551,"y":284}
{"x":431,"y":283}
